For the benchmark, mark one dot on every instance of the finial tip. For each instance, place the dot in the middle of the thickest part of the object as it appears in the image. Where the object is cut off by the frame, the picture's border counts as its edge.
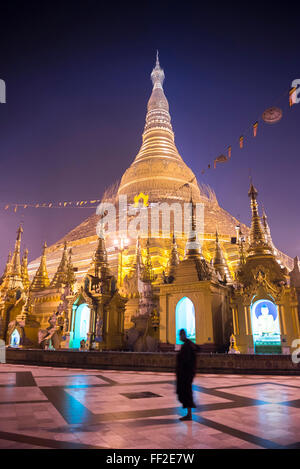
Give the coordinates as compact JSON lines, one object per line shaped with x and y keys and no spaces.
{"x":252,"y":191}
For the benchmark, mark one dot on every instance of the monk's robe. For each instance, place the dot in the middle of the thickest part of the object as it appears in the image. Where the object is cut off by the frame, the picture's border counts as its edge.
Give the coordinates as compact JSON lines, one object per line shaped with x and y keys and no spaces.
{"x":185,"y":372}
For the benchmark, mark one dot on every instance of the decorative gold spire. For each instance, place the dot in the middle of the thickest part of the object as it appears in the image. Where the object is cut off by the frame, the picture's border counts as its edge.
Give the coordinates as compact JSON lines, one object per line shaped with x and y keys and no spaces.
{"x":41,"y":279}
{"x":8,"y":266}
{"x":24,"y":270}
{"x":158,"y":134}
{"x":61,"y":275}
{"x":71,"y":277}
{"x":158,"y":106}
{"x":15,"y":277}
{"x":138,"y":262}
{"x":173,"y":259}
{"x":158,"y":169}
{"x":100,"y":257}
{"x":267,"y":230}
{"x":6,"y":274}
{"x":16,"y":261}
{"x":220,"y":263}
{"x":258,"y":244}
{"x":148,"y":273}
{"x":193,"y":247}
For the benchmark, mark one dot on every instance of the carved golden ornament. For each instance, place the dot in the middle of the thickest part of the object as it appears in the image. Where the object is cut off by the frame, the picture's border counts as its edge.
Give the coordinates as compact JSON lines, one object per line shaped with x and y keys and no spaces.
{"x":260,"y":276}
{"x":144,"y":198}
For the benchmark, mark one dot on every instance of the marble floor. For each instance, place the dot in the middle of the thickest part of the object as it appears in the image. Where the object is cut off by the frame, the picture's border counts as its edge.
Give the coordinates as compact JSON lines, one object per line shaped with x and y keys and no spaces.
{"x":43,"y":407}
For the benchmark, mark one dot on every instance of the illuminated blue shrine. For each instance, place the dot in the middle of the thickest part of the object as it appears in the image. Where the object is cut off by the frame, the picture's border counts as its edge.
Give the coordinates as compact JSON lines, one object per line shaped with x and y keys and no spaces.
{"x":82,"y":324}
{"x":185,"y":319}
{"x":15,"y":339}
{"x":265,"y":327}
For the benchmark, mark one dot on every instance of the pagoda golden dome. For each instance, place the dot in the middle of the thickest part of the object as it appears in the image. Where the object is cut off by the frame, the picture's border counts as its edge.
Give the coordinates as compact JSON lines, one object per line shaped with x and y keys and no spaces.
{"x":158,"y":169}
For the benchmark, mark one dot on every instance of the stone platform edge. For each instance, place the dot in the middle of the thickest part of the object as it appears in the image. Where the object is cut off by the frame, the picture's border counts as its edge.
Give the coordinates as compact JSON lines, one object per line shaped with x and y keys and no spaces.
{"x":148,"y":361}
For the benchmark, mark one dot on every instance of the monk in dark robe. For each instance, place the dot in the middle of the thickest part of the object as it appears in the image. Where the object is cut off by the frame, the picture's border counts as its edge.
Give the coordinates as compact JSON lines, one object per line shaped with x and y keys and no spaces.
{"x":185,"y":372}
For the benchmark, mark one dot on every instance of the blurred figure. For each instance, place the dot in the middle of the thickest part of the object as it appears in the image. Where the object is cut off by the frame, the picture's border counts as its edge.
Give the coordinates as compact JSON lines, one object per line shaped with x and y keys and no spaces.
{"x":185,"y":372}
{"x":82,"y":345}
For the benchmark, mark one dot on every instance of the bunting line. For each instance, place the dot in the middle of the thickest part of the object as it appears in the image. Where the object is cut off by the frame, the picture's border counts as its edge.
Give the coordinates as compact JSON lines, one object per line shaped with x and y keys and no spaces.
{"x":274,"y":115}
{"x":73,"y":204}
{"x":223,"y":157}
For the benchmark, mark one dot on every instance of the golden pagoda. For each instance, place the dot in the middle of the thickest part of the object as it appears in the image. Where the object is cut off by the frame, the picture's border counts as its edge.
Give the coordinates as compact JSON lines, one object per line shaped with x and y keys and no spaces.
{"x":158,"y":172}
{"x":139,"y":274}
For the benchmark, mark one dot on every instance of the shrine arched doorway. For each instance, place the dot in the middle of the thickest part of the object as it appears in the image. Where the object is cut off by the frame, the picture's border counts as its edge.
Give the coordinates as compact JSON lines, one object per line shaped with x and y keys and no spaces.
{"x":265,"y":326}
{"x":81,"y":321}
{"x":15,"y":339}
{"x":185,"y":319}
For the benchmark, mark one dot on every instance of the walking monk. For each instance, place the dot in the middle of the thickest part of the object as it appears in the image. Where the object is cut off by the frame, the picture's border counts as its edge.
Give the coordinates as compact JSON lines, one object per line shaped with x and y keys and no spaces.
{"x":185,"y":372}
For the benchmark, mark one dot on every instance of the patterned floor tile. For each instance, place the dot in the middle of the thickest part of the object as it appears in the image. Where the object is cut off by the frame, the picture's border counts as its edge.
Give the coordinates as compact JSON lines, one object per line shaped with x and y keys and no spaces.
{"x":271,"y":393}
{"x":47,"y":407}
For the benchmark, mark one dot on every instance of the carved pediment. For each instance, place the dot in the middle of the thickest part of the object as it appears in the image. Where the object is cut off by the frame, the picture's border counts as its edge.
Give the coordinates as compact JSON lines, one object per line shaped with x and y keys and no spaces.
{"x":82,"y":297}
{"x":262,"y":287}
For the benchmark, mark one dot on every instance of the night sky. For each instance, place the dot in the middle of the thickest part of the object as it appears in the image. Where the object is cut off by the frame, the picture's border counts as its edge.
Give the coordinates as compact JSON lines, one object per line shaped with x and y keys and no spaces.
{"x":78,"y":80}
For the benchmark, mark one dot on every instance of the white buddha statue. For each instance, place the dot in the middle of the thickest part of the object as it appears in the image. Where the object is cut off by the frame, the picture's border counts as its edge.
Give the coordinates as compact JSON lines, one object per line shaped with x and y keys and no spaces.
{"x":265,"y":322}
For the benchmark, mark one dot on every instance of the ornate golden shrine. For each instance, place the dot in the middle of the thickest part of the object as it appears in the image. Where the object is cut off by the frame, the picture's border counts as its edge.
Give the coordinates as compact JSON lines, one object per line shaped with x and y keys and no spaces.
{"x":261,"y":278}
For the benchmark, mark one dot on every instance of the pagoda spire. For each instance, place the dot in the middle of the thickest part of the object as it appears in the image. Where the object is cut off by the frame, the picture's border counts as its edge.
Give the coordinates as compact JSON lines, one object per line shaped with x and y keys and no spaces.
{"x":157,"y":59}
{"x":158,"y":136}
{"x":158,"y":152}
{"x":258,"y":242}
{"x":41,"y":279}
{"x":24,"y":270}
{"x":100,"y":256}
{"x":148,"y":274}
{"x":60,"y":276}
{"x":173,"y":258}
{"x":15,"y":278}
{"x":138,"y":262}
{"x":193,"y":247}
{"x":266,"y":229}
{"x":16,"y":261}
{"x":158,"y":106}
{"x":71,"y":278}
{"x":7,"y":273}
{"x":7,"y":270}
{"x":219,"y":261}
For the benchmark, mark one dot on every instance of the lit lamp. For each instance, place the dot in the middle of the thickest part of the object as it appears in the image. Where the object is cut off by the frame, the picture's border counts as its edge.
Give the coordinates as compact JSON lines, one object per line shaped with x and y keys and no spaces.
{"x":121,"y":244}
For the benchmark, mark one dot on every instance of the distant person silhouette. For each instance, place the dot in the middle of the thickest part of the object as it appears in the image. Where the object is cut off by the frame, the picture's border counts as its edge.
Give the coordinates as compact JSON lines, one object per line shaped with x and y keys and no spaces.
{"x":185,"y":372}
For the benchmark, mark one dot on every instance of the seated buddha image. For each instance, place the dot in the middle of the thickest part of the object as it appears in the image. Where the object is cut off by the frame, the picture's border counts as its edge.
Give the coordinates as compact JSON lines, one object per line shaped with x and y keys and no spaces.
{"x":265,"y":322}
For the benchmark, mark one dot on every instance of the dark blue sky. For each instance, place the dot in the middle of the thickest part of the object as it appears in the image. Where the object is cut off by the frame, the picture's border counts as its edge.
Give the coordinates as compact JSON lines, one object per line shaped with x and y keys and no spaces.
{"x":78,"y":80}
